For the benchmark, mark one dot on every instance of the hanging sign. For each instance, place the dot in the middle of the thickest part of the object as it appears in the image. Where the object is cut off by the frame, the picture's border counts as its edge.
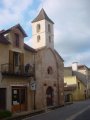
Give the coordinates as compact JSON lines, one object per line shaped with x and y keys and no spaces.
{"x":33,"y":85}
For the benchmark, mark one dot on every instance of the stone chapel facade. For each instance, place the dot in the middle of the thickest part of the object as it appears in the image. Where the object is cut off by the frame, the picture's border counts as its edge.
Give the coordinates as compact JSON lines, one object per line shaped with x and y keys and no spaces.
{"x":48,"y":65}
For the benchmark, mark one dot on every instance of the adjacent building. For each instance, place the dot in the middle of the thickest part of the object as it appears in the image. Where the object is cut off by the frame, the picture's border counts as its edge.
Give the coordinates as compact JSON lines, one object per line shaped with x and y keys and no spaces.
{"x":76,"y":79}
{"x":16,"y":70}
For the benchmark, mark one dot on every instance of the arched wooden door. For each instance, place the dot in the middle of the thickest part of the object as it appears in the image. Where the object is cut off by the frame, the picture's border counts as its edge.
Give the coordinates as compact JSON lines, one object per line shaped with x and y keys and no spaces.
{"x":49,"y":96}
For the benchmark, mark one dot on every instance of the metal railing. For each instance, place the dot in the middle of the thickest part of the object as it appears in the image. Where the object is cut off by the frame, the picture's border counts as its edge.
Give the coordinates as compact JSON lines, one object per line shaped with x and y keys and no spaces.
{"x":20,"y":70}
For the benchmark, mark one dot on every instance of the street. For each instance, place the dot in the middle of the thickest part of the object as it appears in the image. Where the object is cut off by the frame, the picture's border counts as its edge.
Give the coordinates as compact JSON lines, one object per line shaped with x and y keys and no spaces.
{"x":75,"y":111}
{"x":84,"y":116}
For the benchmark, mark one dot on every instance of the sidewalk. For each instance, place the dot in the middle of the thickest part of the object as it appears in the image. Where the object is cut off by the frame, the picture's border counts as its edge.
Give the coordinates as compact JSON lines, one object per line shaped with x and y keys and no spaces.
{"x":20,"y":116}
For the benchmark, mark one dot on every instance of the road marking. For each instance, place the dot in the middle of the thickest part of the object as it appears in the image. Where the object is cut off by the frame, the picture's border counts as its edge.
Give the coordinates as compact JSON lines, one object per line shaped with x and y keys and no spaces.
{"x":76,"y":114}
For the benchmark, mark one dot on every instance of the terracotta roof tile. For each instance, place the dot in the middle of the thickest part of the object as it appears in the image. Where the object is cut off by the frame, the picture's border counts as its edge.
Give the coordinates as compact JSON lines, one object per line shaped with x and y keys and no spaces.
{"x":3,"y":40}
{"x":16,"y":26}
{"x":29,"y":48}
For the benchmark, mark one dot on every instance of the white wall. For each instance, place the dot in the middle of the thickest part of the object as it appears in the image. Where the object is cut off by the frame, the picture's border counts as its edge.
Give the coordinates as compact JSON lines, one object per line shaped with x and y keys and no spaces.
{"x":44,"y":34}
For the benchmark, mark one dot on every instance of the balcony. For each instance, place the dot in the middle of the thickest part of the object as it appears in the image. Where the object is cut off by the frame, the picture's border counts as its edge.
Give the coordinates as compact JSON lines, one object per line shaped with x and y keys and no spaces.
{"x":21,"y":71}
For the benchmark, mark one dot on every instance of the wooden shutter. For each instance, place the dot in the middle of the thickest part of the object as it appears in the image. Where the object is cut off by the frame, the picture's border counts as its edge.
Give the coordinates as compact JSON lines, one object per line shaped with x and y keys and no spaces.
{"x":11,"y":65}
{"x":22,"y":62}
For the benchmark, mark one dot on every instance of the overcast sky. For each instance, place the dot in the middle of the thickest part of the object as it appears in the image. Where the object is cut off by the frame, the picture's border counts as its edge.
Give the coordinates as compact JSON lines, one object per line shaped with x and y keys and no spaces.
{"x":71,"y":28}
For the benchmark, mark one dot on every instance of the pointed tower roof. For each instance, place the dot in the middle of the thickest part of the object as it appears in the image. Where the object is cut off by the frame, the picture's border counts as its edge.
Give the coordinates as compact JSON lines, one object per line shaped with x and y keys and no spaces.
{"x":41,"y":16}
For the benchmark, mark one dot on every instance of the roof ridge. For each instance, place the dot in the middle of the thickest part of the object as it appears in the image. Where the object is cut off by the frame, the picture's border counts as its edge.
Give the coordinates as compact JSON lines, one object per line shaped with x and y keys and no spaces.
{"x":27,"y":47}
{"x":18,"y":26}
{"x":41,"y":16}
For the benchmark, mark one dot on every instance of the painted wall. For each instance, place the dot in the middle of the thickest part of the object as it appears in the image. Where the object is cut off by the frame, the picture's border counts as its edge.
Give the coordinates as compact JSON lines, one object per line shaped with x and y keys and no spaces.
{"x":71,"y":80}
{"x":4,"y":54}
{"x":8,"y":82}
{"x":79,"y":92}
{"x":44,"y":34}
{"x":67,"y":71}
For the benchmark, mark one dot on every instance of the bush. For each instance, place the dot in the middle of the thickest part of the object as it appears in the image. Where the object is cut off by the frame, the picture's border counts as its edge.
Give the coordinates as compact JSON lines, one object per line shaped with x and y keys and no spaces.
{"x":5,"y":113}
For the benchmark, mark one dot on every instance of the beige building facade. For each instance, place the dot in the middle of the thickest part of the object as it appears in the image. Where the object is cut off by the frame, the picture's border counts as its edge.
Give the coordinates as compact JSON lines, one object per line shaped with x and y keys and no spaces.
{"x":14,"y":76}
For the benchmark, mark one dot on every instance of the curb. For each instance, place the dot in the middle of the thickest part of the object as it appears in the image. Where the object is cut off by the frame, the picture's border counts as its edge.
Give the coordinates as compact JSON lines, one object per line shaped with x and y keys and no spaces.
{"x":25,"y":115}
{"x":30,"y":114}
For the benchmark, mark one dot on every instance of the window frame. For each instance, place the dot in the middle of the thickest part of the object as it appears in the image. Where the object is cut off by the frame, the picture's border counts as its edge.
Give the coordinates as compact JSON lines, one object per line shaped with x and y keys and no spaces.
{"x":49,"y":39}
{"x":17,"y":41}
{"x":79,"y":86}
{"x":38,"y":27}
{"x":38,"y":38}
{"x":49,"y":28}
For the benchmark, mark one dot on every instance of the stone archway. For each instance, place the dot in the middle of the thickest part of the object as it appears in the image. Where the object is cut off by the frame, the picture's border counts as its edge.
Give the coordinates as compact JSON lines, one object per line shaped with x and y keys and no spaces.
{"x":49,"y":96}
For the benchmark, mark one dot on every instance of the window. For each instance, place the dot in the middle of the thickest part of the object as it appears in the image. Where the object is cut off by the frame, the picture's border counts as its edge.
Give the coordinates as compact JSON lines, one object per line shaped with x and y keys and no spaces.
{"x":38,"y":38}
{"x":49,"y":39}
{"x":49,"y":28}
{"x":38,"y":27}
{"x":16,"y":59}
{"x":49,"y":70}
{"x":78,"y":85}
{"x":16,"y":40}
{"x":18,"y":95}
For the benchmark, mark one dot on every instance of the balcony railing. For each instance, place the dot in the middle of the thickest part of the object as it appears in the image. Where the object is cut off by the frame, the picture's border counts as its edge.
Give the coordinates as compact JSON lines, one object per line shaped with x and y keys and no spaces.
{"x":20,"y":70}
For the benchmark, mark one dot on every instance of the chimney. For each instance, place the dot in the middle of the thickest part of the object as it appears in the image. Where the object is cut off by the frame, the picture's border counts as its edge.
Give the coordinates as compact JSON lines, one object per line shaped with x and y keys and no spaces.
{"x":75,"y":66}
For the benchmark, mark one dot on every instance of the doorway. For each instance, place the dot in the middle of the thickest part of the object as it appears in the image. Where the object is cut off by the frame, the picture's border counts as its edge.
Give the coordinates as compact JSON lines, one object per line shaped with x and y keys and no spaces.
{"x":2,"y":98}
{"x":19,"y":99}
{"x":49,"y":96}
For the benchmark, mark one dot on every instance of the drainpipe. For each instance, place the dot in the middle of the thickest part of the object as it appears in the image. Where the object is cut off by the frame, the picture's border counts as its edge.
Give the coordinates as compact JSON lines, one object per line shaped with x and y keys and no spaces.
{"x":86,"y":82}
{"x":34,"y":106}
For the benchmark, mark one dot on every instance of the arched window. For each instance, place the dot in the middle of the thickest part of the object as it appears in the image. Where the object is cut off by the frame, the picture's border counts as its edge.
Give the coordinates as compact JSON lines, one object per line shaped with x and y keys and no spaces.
{"x":38,"y":38}
{"x":49,"y":28}
{"x":49,"y":38}
{"x":49,"y":70}
{"x":38,"y":27}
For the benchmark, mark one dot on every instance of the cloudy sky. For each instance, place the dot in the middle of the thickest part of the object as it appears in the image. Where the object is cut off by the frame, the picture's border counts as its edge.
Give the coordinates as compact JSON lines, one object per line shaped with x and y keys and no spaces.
{"x":71,"y":28}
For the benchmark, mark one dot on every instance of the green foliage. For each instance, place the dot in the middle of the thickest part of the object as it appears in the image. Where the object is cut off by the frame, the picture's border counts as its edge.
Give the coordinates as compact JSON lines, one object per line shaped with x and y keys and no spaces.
{"x":5,"y":113}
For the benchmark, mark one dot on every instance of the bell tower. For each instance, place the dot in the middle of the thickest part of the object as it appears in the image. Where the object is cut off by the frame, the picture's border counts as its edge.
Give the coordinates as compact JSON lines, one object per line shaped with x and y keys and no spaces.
{"x":42,"y":31}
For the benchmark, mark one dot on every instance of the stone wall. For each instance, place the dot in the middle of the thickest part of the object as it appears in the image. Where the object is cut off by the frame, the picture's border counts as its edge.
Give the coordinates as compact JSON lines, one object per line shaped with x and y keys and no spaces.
{"x":44,"y":59}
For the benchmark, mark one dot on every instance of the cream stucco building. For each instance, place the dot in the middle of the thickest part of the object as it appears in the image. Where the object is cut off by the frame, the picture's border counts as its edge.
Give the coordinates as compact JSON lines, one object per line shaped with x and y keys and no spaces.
{"x":77,"y":78}
{"x":30,"y":78}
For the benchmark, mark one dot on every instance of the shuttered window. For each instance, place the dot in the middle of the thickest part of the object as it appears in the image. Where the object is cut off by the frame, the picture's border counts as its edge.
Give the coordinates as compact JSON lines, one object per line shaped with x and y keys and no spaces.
{"x":11,"y":60}
{"x":22,"y":62}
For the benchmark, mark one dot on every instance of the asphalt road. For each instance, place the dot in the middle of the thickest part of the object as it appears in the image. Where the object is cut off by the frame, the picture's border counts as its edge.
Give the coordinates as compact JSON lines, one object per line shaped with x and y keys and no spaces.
{"x":84,"y":116}
{"x":76,"y":111}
